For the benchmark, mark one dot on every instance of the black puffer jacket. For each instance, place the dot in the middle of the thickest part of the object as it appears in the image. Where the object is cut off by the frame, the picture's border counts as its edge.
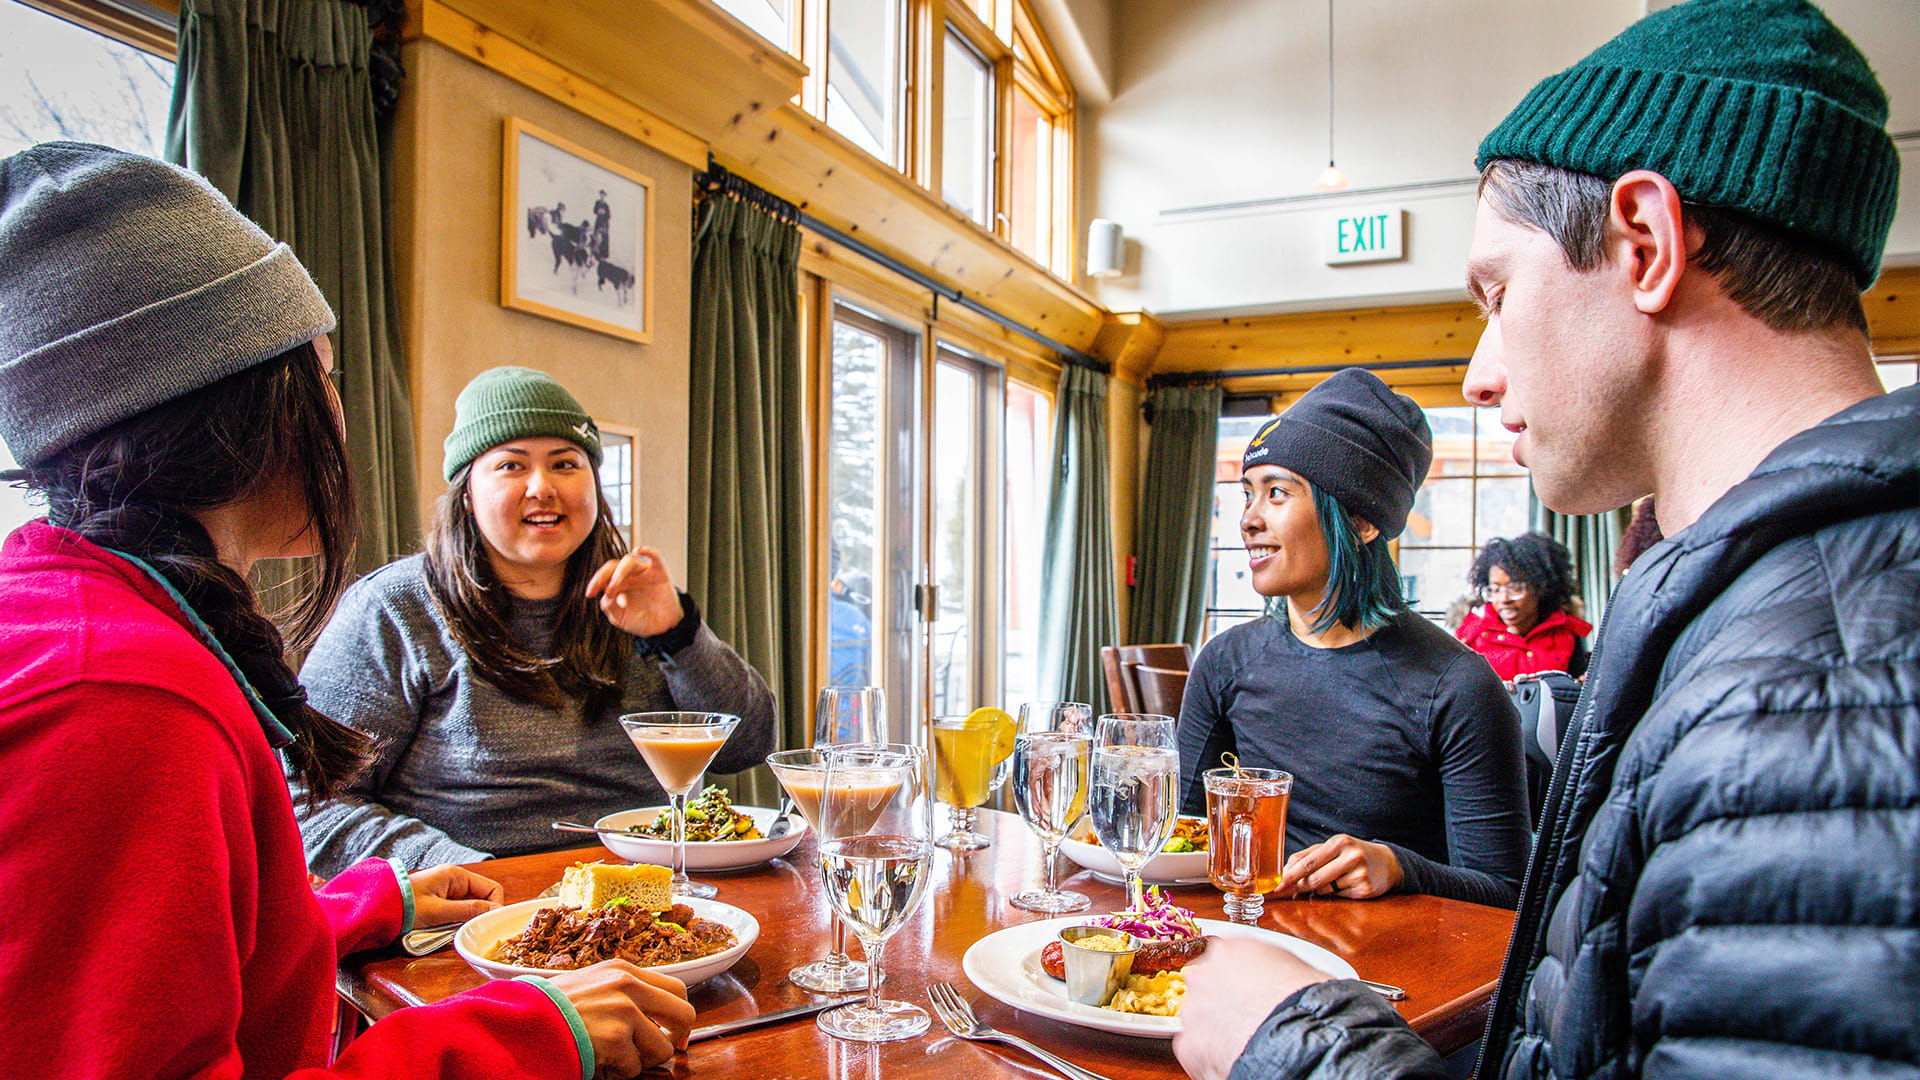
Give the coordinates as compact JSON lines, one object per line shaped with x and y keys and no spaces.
{"x":1727,"y":880}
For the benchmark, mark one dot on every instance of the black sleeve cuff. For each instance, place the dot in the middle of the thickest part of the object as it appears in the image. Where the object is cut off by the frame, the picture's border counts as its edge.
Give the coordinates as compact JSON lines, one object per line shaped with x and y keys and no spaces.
{"x":673,"y":640}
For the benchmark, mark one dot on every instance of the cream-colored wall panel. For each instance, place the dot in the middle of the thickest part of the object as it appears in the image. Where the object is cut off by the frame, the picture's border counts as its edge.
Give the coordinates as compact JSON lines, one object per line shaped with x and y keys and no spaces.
{"x":447,"y":220}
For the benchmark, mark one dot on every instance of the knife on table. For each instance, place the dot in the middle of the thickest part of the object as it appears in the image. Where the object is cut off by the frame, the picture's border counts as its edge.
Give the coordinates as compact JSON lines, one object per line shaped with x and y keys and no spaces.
{"x":714,"y":1031}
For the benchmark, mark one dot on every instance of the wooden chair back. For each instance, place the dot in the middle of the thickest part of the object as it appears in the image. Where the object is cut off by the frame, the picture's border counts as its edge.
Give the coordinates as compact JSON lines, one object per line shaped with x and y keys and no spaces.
{"x":1119,"y":662}
{"x":1160,"y":688}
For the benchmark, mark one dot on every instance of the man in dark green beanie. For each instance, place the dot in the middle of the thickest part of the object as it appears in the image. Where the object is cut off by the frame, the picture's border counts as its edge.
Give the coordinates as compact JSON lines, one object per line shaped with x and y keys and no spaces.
{"x":1670,"y":245}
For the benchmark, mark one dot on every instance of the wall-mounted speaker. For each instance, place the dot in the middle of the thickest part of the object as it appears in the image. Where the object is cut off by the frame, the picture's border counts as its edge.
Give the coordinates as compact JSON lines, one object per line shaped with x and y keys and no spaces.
{"x":1106,"y":248}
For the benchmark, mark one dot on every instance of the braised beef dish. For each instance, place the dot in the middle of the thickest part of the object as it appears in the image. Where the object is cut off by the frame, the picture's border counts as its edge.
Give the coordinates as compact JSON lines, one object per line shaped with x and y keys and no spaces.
{"x":562,"y":938}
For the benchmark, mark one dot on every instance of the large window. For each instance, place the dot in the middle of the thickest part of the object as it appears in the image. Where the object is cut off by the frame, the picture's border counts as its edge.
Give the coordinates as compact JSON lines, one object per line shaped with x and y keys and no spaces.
{"x":1474,"y":493}
{"x":864,"y":47}
{"x":966,"y":162}
{"x":59,"y":80}
{"x":1230,"y":596}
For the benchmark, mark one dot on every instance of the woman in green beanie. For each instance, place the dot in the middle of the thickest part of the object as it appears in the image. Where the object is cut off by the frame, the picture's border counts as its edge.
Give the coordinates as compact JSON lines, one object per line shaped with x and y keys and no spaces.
{"x":492,"y":668}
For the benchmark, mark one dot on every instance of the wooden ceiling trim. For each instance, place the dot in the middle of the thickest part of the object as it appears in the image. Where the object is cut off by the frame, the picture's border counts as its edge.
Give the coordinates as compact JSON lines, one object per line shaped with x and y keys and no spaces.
{"x":442,"y":24}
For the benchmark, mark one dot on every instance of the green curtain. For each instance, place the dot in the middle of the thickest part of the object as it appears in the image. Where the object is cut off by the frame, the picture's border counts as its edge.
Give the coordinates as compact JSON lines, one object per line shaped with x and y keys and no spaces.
{"x":1176,"y":512}
{"x":1591,"y":539}
{"x":273,"y":103}
{"x":746,"y":476}
{"x":1079,"y":611}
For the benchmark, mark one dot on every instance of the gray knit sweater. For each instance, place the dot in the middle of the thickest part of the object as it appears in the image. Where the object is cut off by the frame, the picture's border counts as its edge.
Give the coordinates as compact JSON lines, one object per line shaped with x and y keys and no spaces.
{"x":463,"y":771}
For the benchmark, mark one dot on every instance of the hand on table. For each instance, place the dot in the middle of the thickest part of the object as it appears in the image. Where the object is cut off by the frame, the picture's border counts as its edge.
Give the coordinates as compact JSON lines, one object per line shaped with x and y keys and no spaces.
{"x":636,"y":1019}
{"x":1229,"y":994}
{"x":1342,"y":865}
{"x":636,"y":593}
{"x":449,"y":894}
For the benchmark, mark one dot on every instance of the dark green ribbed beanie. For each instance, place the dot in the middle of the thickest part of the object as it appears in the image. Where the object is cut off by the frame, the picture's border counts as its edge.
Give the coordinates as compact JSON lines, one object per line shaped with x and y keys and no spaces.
{"x":507,"y":403}
{"x":1761,"y":106}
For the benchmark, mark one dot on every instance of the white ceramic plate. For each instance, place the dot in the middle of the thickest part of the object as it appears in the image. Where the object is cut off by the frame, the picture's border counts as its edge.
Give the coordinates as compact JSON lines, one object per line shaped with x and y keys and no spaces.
{"x":1005,"y":965}
{"x":478,"y":937}
{"x":1166,"y":868}
{"x":701,"y":854}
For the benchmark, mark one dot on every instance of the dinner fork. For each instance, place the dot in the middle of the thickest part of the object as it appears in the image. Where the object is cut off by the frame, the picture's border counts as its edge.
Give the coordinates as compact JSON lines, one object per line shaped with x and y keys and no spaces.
{"x":954,"y":1012}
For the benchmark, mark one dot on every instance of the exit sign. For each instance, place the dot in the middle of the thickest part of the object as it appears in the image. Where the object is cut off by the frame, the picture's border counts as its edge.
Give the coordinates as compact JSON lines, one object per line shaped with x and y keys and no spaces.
{"x":1368,"y":235}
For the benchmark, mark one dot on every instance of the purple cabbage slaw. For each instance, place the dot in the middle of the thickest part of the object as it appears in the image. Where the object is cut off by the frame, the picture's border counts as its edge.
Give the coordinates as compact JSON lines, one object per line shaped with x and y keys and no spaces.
{"x":1159,"y":919}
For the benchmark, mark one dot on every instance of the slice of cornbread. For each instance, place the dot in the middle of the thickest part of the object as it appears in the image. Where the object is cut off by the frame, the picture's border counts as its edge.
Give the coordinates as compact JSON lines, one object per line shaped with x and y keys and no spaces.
{"x":595,"y":884}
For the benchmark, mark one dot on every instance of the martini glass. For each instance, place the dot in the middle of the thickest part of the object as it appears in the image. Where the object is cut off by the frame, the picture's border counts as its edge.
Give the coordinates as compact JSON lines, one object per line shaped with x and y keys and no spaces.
{"x":803,"y":773}
{"x":678,"y":747}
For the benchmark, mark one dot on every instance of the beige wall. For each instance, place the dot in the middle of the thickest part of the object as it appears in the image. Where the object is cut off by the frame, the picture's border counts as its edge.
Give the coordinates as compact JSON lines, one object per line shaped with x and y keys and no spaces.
{"x":447,"y":230}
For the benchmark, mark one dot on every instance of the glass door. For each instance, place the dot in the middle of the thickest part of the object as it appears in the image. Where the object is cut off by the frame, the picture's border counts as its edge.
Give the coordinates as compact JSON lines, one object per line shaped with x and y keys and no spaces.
{"x":873,"y":490}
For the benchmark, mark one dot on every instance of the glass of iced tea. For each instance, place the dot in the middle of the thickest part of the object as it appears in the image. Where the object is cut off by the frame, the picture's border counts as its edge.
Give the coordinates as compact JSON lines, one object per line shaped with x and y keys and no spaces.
{"x":1247,"y":823}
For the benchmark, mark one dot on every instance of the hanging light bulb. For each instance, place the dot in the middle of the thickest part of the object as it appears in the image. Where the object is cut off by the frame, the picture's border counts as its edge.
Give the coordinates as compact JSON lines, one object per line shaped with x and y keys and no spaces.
{"x":1331,"y":178}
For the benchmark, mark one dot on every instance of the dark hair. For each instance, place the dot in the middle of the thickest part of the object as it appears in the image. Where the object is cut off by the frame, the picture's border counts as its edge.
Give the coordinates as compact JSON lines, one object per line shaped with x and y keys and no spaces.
{"x":137,"y":486}
{"x":1642,"y":532}
{"x":1363,"y":586}
{"x":591,"y":650}
{"x":1787,"y":280}
{"x":1535,"y":558}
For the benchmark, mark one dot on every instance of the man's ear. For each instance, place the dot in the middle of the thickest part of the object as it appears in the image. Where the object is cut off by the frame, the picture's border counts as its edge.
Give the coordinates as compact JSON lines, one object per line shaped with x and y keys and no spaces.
{"x":1647,"y":235}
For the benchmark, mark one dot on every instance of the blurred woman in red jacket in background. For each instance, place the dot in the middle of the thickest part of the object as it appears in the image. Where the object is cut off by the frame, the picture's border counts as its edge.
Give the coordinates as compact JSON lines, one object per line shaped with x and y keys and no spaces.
{"x":1525,"y":624}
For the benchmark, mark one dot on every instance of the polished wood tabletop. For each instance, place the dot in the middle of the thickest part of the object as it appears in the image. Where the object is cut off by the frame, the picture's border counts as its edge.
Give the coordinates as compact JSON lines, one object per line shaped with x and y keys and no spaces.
{"x":1446,"y":953}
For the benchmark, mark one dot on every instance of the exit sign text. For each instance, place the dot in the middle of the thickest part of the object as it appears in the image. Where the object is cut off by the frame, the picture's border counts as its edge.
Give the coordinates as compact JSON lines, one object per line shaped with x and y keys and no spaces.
{"x":1369,"y":235}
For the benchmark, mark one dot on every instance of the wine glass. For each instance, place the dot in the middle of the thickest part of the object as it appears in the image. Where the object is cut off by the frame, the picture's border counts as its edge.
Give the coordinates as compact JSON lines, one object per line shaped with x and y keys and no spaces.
{"x":849,"y":714}
{"x":678,"y":747}
{"x":841,"y":714}
{"x":1136,"y":790}
{"x":1051,"y":758}
{"x":876,"y":849}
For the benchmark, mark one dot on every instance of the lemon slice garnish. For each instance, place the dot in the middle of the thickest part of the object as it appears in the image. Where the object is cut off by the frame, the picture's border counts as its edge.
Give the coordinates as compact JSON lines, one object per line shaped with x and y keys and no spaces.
{"x":1003,"y":730}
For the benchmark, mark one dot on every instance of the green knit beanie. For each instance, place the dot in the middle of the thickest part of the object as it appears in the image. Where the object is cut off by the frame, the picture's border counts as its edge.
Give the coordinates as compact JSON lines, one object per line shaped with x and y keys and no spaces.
{"x":507,"y":403}
{"x":1760,"y":106}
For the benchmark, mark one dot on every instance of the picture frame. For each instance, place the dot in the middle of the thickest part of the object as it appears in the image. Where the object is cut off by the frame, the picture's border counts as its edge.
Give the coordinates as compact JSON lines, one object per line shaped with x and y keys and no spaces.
{"x":576,"y":238}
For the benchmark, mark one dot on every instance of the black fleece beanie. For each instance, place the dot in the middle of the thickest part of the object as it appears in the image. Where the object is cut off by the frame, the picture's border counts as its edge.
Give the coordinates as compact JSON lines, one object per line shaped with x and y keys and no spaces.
{"x":1357,"y":440}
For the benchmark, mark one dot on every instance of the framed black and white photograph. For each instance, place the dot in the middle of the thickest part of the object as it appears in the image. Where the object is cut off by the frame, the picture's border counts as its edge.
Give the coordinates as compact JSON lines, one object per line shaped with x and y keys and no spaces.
{"x":576,"y":236}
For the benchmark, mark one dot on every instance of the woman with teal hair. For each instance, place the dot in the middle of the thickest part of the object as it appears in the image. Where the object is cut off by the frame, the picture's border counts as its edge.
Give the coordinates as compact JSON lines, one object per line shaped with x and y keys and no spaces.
{"x":1404,"y":747}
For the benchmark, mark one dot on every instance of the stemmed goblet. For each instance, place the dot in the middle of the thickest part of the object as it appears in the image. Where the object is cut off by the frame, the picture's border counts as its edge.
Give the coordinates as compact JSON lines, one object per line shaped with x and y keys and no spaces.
{"x":1136,"y":791}
{"x":841,"y":714}
{"x":678,"y":747}
{"x":876,"y":849}
{"x":1051,"y":759}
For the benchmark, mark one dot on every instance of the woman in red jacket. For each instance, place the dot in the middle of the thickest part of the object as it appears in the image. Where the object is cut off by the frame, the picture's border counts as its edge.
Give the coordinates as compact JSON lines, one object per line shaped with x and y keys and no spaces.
{"x":1525,"y":625}
{"x":164,"y":386}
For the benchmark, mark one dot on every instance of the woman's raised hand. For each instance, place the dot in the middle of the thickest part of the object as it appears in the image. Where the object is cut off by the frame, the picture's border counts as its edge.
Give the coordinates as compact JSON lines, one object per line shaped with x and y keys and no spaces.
{"x":636,"y":1018}
{"x":1342,"y":865}
{"x":636,"y":593}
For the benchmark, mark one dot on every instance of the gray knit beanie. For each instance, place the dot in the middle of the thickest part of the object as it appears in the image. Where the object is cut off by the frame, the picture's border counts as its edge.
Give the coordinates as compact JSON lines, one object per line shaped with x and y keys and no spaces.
{"x":126,"y":282}
{"x":1356,"y":439}
{"x":507,"y":403}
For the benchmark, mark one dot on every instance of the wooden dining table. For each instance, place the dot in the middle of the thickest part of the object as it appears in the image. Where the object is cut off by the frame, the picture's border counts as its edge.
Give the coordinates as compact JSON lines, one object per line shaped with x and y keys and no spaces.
{"x":1445,"y":953}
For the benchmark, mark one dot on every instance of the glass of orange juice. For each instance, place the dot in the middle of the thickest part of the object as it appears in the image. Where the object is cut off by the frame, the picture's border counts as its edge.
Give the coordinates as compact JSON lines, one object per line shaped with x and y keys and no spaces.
{"x":968,"y":751}
{"x":678,"y":747}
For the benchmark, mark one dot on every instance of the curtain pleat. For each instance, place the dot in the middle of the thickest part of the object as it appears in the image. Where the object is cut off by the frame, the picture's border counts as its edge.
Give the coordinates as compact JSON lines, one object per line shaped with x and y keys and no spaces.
{"x":1591,"y":540}
{"x":1176,"y":510}
{"x":273,"y":104}
{"x":1079,"y":611}
{"x":746,"y":461}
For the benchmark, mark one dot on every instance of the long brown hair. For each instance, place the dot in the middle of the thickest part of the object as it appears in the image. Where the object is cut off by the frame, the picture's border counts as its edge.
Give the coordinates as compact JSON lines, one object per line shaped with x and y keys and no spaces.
{"x":590,"y":651}
{"x":138,"y":485}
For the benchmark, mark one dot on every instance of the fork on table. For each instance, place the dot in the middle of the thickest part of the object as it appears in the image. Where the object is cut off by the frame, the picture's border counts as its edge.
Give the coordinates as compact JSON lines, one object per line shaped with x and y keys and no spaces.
{"x":954,"y":1012}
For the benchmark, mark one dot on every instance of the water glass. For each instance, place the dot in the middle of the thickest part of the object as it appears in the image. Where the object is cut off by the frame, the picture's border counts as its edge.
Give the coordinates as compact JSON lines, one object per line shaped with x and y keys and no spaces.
{"x":1051,"y":759}
{"x":1247,"y":830}
{"x":1136,"y":791}
{"x":849,"y":714}
{"x":876,"y":850}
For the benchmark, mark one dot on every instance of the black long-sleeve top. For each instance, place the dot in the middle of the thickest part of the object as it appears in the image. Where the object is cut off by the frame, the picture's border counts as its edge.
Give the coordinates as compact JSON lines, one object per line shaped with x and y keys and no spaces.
{"x":1407,"y":738}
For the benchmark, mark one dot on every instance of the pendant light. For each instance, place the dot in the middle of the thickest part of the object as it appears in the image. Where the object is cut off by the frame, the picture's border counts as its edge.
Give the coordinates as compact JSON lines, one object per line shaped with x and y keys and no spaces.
{"x":1331,"y":179}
